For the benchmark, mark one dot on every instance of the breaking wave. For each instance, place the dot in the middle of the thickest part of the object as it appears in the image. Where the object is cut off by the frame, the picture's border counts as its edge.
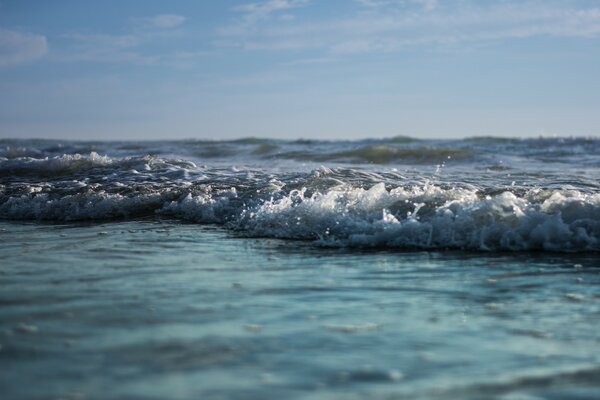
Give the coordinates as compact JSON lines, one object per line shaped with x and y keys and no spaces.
{"x":427,"y":217}
{"x":333,"y":208}
{"x":77,"y":163}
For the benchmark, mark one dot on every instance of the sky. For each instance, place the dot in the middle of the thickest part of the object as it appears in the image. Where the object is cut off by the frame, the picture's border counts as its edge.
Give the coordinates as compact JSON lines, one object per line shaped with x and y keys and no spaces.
{"x":329,"y":69}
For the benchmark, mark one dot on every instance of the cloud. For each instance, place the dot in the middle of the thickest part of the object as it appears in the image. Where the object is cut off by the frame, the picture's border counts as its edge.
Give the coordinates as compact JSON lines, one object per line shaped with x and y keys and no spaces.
{"x":257,"y":11}
{"x":138,"y":45}
{"x":19,"y":48}
{"x":393,"y":25}
{"x":162,"y":21}
{"x":105,"y":48}
{"x":425,"y":4}
{"x":253,"y":13}
{"x":104,"y":40}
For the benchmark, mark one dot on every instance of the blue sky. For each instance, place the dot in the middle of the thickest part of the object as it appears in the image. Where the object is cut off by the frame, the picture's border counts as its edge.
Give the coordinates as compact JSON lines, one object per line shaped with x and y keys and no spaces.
{"x":221,"y":69}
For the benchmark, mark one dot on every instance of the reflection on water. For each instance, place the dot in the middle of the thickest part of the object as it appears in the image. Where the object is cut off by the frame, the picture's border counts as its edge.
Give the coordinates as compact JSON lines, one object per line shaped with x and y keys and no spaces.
{"x":152,"y":310}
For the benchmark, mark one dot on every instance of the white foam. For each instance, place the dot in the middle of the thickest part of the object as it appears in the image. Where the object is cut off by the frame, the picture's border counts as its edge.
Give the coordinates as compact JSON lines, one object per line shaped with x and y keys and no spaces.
{"x":86,"y":206}
{"x":415,"y":216}
{"x":426,"y":217}
{"x":453,"y":218}
{"x":69,"y":163}
{"x":207,"y":207}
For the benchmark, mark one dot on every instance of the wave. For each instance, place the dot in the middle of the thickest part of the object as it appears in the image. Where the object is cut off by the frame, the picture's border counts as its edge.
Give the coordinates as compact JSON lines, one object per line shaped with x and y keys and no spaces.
{"x":383,"y":154}
{"x":265,"y":148}
{"x":77,"y":163}
{"x":331,"y":212}
{"x":432,"y":218}
{"x":376,"y":151}
{"x":45,"y":166}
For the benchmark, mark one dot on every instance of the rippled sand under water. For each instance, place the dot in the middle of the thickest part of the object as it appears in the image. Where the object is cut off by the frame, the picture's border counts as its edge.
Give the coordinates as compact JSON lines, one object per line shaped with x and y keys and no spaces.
{"x":159,"y":309}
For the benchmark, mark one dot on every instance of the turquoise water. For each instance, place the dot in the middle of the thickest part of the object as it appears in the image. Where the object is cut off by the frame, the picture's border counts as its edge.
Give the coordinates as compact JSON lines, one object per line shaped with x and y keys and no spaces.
{"x":158,"y":309}
{"x":384,"y":269}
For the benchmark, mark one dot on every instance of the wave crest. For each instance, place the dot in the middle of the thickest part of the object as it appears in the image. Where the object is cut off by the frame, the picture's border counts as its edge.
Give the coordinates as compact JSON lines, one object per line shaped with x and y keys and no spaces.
{"x":78,"y":163}
{"x":414,"y":218}
{"x":339,"y":207}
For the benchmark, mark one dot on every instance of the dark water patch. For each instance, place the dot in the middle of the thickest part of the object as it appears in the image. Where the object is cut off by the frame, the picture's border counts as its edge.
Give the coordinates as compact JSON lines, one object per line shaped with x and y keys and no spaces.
{"x":383,"y":154}
{"x":491,"y":139}
{"x":251,"y":140}
{"x":499,"y":167}
{"x":265,"y":148}
{"x":401,"y":139}
{"x":305,"y":142}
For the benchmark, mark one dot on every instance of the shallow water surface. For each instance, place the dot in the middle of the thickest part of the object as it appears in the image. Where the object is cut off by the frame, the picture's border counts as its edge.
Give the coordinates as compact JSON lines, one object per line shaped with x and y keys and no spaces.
{"x":153,"y":309}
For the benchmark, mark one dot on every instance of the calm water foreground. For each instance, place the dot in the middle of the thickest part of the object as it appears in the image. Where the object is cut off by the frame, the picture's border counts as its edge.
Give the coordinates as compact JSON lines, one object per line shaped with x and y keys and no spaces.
{"x":157,"y":309}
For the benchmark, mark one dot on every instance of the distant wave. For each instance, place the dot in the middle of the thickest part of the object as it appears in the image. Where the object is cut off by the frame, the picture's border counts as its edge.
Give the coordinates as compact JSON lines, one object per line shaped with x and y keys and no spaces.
{"x":383,"y":154}
{"x":77,"y":163}
{"x":394,"y":150}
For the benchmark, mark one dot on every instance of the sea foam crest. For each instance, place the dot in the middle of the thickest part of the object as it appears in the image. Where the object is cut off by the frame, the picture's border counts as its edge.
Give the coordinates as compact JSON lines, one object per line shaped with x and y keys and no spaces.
{"x":73,"y":163}
{"x":423,"y":217}
{"x":416,"y":216}
{"x":82,"y":206}
{"x":66,"y":162}
{"x":207,"y":207}
{"x":432,"y":218}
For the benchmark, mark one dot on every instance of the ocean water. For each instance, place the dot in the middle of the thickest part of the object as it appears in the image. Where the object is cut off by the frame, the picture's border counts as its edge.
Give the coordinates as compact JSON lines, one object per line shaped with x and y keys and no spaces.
{"x":255,"y":268}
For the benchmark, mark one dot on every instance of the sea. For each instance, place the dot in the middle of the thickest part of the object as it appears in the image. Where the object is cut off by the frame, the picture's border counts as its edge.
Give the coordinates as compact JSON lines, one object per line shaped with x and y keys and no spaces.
{"x":392,"y":268}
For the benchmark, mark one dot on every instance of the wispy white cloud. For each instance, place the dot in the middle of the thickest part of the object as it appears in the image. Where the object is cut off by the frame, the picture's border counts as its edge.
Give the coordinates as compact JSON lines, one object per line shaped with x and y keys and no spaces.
{"x":313,"y":61}
{"x":105,"y":48}
{"x":162,"y":21}
{"x":18,"y":47}
{"x":392,"y":25}
{"x":254,"y":12}
{"x":105,"y":40}
{"x":140,"y":44}
{"x":425,"y":4}
{"x":251,"y":14}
